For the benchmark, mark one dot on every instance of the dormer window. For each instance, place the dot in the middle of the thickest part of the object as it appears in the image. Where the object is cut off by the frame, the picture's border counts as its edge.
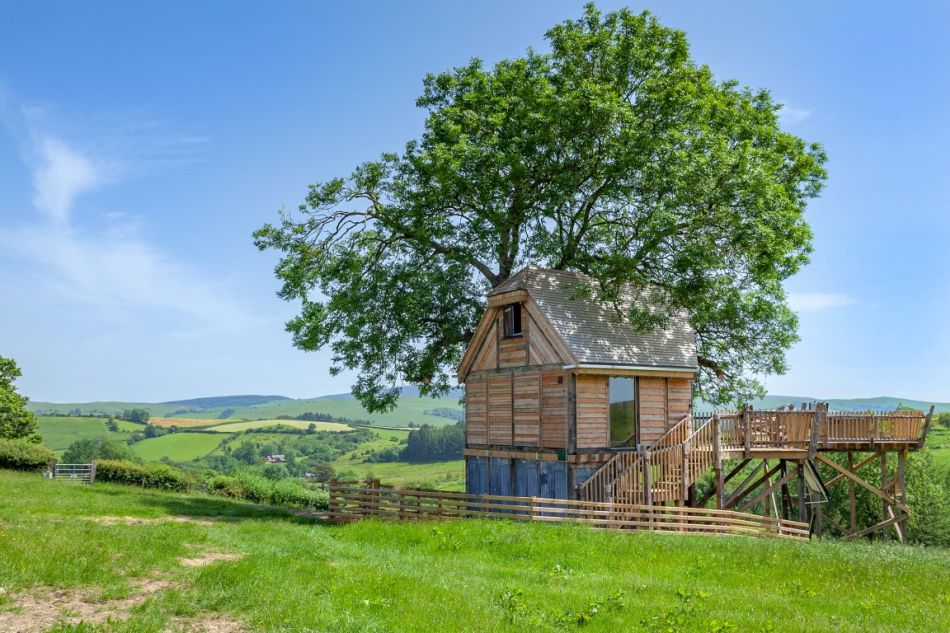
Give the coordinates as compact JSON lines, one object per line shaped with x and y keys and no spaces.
{"x":512,"y":320}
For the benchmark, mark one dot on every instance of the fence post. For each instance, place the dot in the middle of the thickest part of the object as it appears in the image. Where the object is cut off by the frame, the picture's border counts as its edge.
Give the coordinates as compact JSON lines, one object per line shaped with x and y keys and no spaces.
{"x":817,"y":422}
{"x":923,"y":436}
{"x":717,"y":455}
{"x":92,"y":473}
{"x":684,"y":473}
{"x":748,"y":431}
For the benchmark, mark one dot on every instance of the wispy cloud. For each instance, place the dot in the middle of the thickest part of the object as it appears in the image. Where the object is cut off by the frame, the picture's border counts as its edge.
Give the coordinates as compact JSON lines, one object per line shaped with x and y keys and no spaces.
{"x":113,"y":270}
{"x":815,"y":301}
{"x":59,"y":175}
{"x":790,"y":115}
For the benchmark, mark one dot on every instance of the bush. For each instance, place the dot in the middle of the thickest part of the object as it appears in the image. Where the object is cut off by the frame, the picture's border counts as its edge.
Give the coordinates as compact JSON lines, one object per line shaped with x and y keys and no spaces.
{"x":256,"y":489}
{"x":148,"y":476}
{"x":22,"y":455}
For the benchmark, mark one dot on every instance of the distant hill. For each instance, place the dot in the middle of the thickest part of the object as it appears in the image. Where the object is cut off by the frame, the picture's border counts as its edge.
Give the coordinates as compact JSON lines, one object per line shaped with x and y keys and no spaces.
{"x":226,"y":401}
{"x":411,"y":409}
{"x":880,"y":403}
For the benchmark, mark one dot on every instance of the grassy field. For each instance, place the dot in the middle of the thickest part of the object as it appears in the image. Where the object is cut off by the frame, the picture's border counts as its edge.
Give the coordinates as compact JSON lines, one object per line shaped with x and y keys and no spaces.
{"x":178,"y":447}
{"x":178,"y":562}
{"x":59,"y":431}
{"x":938,"y":442}
{"x":410,"y":409}
{"x":183,"y":422}
{"x":447,"y":475}
{"x":235,"y":427}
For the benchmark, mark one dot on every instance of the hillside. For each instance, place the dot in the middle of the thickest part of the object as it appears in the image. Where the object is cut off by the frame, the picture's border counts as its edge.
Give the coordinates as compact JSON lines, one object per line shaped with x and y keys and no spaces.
{"x":411,"y":409}
{"x":180,"y":562}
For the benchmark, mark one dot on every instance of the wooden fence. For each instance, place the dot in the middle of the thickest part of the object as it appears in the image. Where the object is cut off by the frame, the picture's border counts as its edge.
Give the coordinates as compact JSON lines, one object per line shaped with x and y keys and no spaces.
{"x":352,"y":500}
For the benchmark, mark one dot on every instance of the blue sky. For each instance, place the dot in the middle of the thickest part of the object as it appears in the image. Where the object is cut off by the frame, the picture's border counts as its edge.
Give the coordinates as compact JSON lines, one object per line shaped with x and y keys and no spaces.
{"x":141,"y":144}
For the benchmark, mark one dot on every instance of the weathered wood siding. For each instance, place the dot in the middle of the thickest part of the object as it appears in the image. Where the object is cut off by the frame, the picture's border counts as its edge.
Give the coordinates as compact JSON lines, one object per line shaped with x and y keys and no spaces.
{"x":653,"y":416}
{"x":476,"y":410}
{"x":554,"y":408}
{"x":679,"y":397}
{"x":592,"y":426}
{"x":487,"y":357}
{"x":499,"y":410}
{"x":527,"y":408}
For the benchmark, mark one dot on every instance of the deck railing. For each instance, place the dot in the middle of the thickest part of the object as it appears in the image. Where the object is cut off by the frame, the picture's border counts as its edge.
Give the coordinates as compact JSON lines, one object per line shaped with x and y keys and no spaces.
{"x":351,"y":501}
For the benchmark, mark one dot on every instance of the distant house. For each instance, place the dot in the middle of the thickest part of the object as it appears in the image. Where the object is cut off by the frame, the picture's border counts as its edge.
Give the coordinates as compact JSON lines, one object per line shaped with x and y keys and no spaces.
{"x":556,"y":383}
{"x":275,"y":459}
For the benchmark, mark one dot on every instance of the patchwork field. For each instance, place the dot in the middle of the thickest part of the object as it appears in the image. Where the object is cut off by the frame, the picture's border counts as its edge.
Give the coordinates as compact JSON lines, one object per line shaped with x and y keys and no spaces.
{"x":411,"y":409}
{"x":179,"y":562}
{"x":178,"y":447}
{"x":183,"y":422}
{"x":60,"y":431}
{"x":235,"y":427}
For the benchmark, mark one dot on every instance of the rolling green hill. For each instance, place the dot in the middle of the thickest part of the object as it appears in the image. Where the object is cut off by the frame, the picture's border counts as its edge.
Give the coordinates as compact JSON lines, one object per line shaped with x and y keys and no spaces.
{"x":190,"y":562}
{"x":411,"y":408}
{"x":59,"y":432}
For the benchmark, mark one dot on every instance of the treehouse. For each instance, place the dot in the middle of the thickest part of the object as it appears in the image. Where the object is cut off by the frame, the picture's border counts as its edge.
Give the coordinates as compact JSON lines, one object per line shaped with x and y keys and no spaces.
{"x":556,"y":385}
{"x":564,"y":400}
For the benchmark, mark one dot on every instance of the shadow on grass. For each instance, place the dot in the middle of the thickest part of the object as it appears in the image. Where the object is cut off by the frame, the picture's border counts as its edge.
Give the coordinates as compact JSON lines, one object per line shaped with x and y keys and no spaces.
{"x":229,"y":510}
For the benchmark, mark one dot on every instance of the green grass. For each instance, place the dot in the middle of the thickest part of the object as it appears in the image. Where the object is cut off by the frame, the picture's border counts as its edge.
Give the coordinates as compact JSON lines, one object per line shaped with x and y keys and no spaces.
{"x":447,"y":475}
{"x":298,"y":575}
{"x":59,"y":432}
{"x":235,"y":427}
{"x":179,"y":447}
{"x":938,"y":442}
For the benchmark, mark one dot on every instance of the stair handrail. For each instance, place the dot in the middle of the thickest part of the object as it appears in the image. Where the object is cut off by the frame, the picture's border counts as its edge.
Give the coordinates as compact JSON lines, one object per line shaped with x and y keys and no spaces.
{"x":600,"y":485}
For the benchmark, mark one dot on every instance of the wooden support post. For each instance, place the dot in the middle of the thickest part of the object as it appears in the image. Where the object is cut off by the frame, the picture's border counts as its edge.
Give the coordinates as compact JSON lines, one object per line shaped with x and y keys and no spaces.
{"x":717,"y":457}
{"x":647,"y":483}
{"x":684,"y":474}
{"x":786,"y":495}
{"x":884,"y":504}
{"x":852,"y":503}
{"x":818,"y":421}
{"x":92,"y":472}
{"x":802,"y":508}
{"x":746,"y":417}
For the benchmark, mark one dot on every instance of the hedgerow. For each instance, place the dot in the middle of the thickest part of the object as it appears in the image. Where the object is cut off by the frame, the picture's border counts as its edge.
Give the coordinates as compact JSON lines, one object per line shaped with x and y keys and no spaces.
{"x":21,"y":455}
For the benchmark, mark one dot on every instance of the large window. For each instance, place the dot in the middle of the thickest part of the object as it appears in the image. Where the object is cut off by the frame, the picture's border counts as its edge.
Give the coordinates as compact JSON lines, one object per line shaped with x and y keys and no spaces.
{"x":513,"y":319}
{"x":624,"y":421}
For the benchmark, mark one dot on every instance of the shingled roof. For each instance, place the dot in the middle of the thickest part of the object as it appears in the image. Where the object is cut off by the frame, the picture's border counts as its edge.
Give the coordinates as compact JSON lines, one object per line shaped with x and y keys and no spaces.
{"x":592,"y":330}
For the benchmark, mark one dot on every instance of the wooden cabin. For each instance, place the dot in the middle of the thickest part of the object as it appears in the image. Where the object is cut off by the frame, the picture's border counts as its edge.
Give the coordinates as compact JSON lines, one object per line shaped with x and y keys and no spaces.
{"x":556,"y":383}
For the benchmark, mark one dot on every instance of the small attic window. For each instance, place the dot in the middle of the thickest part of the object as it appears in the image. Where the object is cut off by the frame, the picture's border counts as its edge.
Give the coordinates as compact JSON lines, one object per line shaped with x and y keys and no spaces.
{"x":512,"y":316}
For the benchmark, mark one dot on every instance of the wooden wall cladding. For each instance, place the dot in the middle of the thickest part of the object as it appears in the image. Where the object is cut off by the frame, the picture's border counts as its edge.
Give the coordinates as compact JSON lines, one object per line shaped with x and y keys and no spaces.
{"x":591,"y":423}
{"x":679,"y":397}
{"x":527,"y":408}
{"x":653,"y":417}
{"x":499,"y":410}
{"x":476,"y":410}
{"x":554,"y":409}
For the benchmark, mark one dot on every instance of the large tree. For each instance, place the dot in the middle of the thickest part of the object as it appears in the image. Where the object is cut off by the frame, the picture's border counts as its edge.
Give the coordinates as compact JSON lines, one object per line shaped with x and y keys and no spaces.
{"x":614,"y":154}
{"x":15,"y":421}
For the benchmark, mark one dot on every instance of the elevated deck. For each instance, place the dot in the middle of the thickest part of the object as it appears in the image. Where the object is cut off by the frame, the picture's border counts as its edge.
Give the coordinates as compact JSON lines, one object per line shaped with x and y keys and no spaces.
{"x":787,"y":446}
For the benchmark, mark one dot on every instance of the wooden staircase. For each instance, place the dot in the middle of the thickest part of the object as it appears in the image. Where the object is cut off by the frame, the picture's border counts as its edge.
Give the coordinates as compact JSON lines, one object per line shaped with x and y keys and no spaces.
{"x":663,"y":473}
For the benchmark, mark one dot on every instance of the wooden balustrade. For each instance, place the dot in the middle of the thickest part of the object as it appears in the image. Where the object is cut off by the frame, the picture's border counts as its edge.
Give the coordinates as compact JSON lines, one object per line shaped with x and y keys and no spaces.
{"x":350,"y":501}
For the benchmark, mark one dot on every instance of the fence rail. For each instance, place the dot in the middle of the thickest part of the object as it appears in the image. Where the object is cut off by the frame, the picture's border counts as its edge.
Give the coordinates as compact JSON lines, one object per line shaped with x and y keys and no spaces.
{"x":351,"y":501}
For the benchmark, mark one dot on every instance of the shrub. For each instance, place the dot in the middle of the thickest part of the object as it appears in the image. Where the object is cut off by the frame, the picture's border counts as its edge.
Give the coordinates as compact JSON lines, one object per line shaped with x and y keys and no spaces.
{"x":256,"y":489}
{"x":225,"y":486}
{"x":148,"y":476}
{"x":22,"y":455}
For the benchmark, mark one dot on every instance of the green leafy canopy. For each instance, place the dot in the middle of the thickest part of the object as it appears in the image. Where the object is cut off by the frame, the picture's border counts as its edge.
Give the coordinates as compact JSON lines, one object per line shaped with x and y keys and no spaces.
{"x":614,"y":154}
{"x":16,"y":422}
